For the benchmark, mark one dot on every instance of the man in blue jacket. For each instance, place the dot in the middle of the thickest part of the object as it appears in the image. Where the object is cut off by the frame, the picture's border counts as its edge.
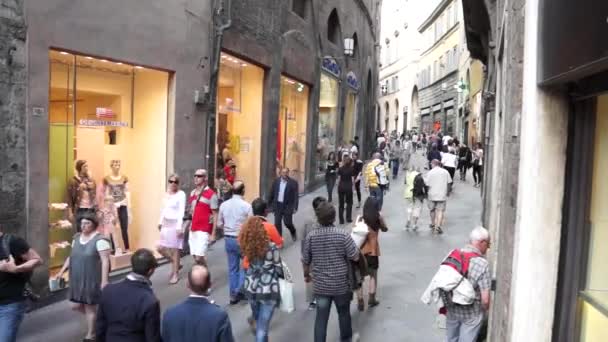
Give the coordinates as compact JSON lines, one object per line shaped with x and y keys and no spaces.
{"x":128,"y":310}
{"x":197,"y":319}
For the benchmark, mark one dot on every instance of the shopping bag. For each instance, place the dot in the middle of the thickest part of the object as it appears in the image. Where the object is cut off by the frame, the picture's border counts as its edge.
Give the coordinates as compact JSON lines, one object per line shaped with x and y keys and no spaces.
{"x":359,"y":233}
{"x":288,"y":303}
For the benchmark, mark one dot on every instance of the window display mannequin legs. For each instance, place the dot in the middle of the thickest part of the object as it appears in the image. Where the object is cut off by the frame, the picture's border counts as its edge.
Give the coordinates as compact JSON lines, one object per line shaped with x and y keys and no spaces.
{"x":123,"y":218}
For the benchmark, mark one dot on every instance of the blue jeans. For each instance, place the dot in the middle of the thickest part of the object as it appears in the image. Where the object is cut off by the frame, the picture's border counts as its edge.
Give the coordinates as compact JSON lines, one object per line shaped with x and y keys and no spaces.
{"x":262,"y":314}
{"x":395,"y":166}
{"x":378,"y":193}
{"x":11,"y":316}
{"x":323,"y":310}
{"x":236,"y":275}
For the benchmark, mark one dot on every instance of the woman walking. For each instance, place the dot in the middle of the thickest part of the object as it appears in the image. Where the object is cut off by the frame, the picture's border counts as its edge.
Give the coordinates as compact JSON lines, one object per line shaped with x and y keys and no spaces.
{"x":89,"y":264}
{"x":478,"y":164}
{"x":464,"y":161}
{"x":170,"y":226}
{"x":331,"y":173}
{"x":345,"y":189}
{"x":371,"y":250}
{"x":358,"y":166}
{"x":262,"y":276}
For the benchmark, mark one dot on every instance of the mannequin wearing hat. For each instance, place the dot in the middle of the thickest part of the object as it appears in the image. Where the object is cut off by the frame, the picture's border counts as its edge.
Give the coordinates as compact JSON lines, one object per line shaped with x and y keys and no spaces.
{"x":116,"y":185}
{"x":81,"y":193}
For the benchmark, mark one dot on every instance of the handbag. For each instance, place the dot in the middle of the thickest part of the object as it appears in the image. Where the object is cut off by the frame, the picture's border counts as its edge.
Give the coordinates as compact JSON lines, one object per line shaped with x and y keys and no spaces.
{"x":360,"y":231}
{"x":288,"y":302}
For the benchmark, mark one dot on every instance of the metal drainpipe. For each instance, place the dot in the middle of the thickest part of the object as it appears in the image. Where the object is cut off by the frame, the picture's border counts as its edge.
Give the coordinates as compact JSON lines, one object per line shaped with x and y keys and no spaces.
{"x":221,"y":22}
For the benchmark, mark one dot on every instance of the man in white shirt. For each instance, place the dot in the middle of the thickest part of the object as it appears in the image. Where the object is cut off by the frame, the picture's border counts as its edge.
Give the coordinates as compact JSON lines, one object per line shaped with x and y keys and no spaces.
{"x":446,"y":139}
{"x":437,"y":180}
{"x":450,"y":163}
{"x":233,"y":213}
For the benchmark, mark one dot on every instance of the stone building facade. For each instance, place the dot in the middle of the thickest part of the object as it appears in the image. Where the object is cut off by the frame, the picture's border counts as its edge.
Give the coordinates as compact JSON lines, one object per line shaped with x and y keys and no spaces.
{"x":13,"y":182}
{"x":133,"y":93}
{"x":544,"y":165}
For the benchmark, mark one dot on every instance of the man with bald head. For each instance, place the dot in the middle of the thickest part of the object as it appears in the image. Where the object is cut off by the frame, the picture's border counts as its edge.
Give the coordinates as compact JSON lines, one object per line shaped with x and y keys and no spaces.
{"x":203,"y":208}
{"x":233,"y":213}
{"x":197,"y":318}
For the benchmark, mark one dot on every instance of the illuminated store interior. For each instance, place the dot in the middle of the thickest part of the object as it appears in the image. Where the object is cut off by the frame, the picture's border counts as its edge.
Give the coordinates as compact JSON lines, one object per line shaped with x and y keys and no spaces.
{"x":101,"y":111}
{"x":328,"y":114}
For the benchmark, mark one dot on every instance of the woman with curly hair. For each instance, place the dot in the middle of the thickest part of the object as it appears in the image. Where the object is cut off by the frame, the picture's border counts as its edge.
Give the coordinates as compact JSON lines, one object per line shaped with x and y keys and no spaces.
{"x":262,"y":276}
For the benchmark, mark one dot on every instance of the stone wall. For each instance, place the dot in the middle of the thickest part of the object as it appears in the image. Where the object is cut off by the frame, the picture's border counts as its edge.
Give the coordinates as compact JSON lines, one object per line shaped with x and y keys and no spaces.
{"x":13,"y":76}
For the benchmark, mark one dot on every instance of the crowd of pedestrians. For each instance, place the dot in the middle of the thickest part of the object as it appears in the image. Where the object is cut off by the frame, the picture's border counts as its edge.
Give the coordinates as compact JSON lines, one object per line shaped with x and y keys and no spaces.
{"x":336,"y":269}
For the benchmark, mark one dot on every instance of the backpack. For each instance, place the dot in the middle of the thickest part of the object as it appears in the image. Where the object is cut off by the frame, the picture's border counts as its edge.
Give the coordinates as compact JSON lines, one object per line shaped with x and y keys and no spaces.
{"x":419,"y":190}
{"x":380,"y":171}
{"x":458,"y":260}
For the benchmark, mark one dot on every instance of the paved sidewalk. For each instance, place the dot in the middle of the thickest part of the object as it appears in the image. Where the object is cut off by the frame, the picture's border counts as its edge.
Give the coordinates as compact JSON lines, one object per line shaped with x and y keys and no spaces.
{"x":407,"y":263}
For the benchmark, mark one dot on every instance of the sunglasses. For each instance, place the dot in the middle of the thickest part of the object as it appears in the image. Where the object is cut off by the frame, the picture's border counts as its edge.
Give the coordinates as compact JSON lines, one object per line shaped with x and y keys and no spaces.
{"x":173,"y":181}
{"x":200,"y":176}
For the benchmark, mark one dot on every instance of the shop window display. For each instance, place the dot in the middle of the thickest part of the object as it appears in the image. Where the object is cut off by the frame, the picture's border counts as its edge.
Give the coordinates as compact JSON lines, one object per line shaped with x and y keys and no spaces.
{"x":328,"y":114}
{"x":291,"y":137}
{"x":239,"y":122}
{"x":107,"y":151}
{"x":594,"y":318}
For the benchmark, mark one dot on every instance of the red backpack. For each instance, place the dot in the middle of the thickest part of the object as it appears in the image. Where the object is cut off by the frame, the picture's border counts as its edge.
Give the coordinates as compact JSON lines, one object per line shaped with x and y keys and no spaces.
{"x":459,"y":260}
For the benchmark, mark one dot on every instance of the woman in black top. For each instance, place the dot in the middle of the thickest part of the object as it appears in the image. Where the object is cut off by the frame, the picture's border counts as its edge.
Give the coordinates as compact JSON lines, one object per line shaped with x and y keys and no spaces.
{"x":331,"y":174}
{"x":345,"y":189}
{"x":358,"y":166}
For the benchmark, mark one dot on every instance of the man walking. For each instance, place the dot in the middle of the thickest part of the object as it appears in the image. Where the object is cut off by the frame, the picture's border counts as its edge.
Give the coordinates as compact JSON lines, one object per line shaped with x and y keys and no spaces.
{"x":395,"y":154}
{"x":204,"y":204}
{"x":233,"y":213}
{"x":328,"y":249}
{"x":376,"y":178}
{"x":284,"y":202}
{"x":17,"y":261}
{"x":464,"y":321}
{"x":129,"y":311}
{"x":197,"y":319}
{"x":437,"y":180}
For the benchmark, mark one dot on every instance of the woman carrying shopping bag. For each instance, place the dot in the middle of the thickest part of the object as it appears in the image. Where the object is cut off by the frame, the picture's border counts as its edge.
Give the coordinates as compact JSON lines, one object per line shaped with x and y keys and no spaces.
{"x":262,"y":277}
{"x":371,"y":250}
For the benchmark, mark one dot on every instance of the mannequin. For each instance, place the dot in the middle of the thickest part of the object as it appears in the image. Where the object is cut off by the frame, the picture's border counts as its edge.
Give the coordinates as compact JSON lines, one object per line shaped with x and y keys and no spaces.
{"x":81,"y":194}
{"x":116,"y":185}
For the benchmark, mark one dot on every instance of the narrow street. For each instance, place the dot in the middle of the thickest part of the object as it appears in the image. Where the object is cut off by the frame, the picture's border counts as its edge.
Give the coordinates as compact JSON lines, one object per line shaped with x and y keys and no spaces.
{"x":407,"y":263}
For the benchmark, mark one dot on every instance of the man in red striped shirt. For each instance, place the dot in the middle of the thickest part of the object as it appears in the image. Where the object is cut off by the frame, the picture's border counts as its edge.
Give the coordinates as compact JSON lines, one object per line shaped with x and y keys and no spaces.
{"x":204,"y":203}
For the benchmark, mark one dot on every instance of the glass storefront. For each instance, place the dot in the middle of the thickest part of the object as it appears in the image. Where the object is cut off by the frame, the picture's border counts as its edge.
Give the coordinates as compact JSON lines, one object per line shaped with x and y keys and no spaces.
{"x":105,"y":113}
{"x":239,"y":121}
{"x":350,"y":117}
{"x":291,"y":133}
{"x":328,"y":113}
{"x":594,"y":298}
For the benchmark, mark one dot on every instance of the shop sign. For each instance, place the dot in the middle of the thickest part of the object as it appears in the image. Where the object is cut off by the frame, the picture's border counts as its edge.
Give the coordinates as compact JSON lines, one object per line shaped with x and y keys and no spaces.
{"x":102,"y":123}
{"x":351,"y":80}
{"x":331,"y":66}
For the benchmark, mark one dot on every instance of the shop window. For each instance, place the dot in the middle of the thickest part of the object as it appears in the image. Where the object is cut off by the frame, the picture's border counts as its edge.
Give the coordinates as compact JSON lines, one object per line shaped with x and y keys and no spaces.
{"x":334,"y":32}
{"x":328,"y":111}
{"x":594,"y":320}
{"x":101,"y":112}
{"x":239,"y":121}
{"x":291,"y":137}
{"x":300,"y":7}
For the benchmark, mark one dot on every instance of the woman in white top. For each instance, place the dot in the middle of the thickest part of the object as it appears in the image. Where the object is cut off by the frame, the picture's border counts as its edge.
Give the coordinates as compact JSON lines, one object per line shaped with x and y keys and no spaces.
{"x":478,"y":164}
{"x":170,"y":226}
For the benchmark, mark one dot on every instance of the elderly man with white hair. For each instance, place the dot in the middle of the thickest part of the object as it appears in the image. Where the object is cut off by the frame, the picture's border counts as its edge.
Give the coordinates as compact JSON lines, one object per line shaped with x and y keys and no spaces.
{"x":464,"y":321}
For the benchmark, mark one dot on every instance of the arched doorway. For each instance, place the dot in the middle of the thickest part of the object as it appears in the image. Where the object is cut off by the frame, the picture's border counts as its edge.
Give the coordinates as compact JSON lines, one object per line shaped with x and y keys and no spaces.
{"x":396,"y":115}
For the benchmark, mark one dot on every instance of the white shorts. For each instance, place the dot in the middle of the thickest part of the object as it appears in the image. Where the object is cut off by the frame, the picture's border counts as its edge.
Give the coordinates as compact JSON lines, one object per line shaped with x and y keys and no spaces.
{"x":199,"y":243}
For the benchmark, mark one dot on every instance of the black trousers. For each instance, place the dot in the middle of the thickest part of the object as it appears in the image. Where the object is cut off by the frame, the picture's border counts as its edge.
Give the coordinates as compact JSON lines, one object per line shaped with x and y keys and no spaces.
{"x":282,"y":215}
{"x":358,"y":189}
{"x":478,"y":174}
{"x":123,"y":218}
{"x":345,"y":198}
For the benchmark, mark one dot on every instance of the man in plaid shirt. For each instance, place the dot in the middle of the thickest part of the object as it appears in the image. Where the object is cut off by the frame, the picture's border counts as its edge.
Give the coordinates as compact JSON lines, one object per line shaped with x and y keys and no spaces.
{"x":465,"y":321}
{"x":329,"y":250}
